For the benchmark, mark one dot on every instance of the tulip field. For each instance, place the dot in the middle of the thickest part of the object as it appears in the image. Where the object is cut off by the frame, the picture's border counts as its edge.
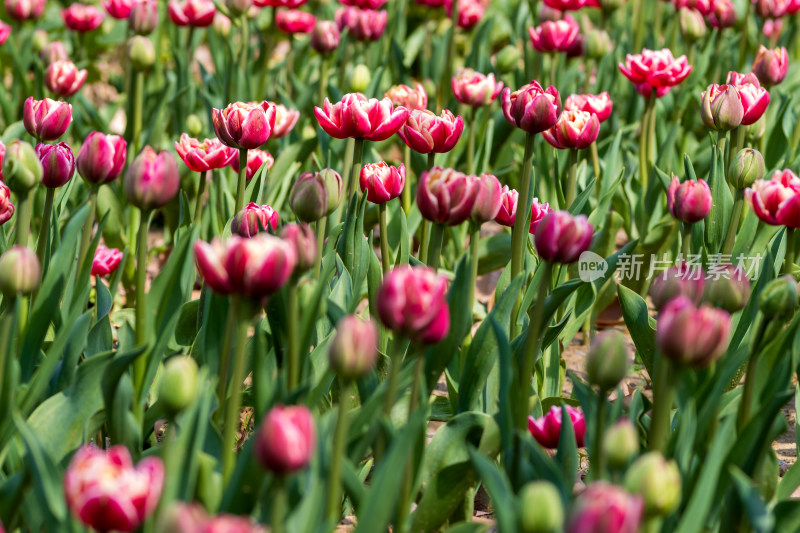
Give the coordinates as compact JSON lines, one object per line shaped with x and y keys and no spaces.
{"x":408,"y":266}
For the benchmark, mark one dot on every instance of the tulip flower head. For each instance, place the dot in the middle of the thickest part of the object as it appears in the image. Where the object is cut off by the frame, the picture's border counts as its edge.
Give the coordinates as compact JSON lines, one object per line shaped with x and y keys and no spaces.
{"x":681,"y":280}
{"x":82,"y":17}
{"x":728,"y":288}
{"x":475,"y":89}
{"x":508,"y":210}
{"x":603,"y":507}
{"x":244,"y":125}
{"x":411,"y":99}
{"x":598,"y":104}
{"x":689,"y":201}
{"x":754,"y":98}
{"x":25,"y":9}
{"x":152,"y":180}
{"x":46,"y":119}
{"x":285,"y":120}
{"x":724,"y":14}
{"x":425,"y":132}
{"x":316,"y":194}
{"x":362,"y":24}
{"x":194,"y":13}
{"x":291,"y":4}
{"x":303,"y":239}
{"x":325,"y":37}
{"x":446,"y":196}
{"x":101,"y":157}
{"x":22,"y":169}
{"x":286,"y":439}
{"x":6,"y":207}
{"x":354,"y":350}
{"x":144,"y":17}
{"x":770,"y":66}
{"x":359,"y":117}
{"x":192,"y":518}
{"x":555,"y":36}
{"x":433,"y":4}
{"x":204,"y":156}
{"x":106,"y":261}
{"x":690,"y":335}
{"x":365,"y":4}
{"x":574,"y":130}
{"x":253,"y":219}
{"x":570,"y":5}
{"x":561,"y":237}
{"x":412,"y":301}
{"x":547,"y":429}
{"x":470,"y":12}
{"x":58,"y":164}
{"x":255,"y":160}
{"x":295,"y":21}
{"x":721,"y":107}
{"x":119,"y":9}
{"x":655,"y":72}
{"x":488,"y":198}
{"x":63,"y":78}
{"x":532,"y":108}
{"x":54,"y":51}
{"x":776,"y":201}
{"x":382,"y":182}
{"x":5,"y":31}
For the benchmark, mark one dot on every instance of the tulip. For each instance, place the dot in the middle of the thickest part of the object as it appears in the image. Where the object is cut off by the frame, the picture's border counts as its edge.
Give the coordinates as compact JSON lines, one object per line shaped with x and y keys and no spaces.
{"x":607,"y":361}
{"x":255,"y":160}
{"x":47,"y":119}
{"x":772,"y":28}
{"x":144,"y":17}
{"x":727,"y":288}
{"x":694,"y":336}
{"x":470,"y":12}
{"x":141,"y":53}
{"x":655,"y":71}
{"x":488,"y":198}
{"x":605,"y":508}
{"x":411,"y":99}
{"x":101,"y":158}
{"x":682,"y":280}
{"x":195,"y":13}
{"x":382,"y":182}
{"x":777,"y":201}
{"x":63,"y":78}
{"x":570,"y":5}
{"x":689,"y":201}
{"x":222,"y":25}
{"x":354,"y":350}
{"x":325,"y":37}
{"x":779,"y":299}
{"x":507,"y":214}
{"x":754,"y":98}
{"x":558,"y":36}
{"x":106,"y":492}
{"x":253,"y":219}
{"x":721,"y":107}
{"x":562,"y":238}
{"x":747,"y":167}
{"x":597,"y":104}
{"x":2,"y":156}
{"x":291,"y":4}
{"x":285,"y":119}
{"x":431,"y":3}
{"x":178,"y":385}
{"x":547,"y":429}
{"x":5,"y":31}
{"x":424,"y":132}
{"x":412,"y":302}
{"x":58,"y":164}
{"x":192,"y":518}
{"x":446,"y":196}
{"x":770,"y":9}
{"x":596,"y":44}
{"x":53,"y":52}
{"x":621,"y":443}
{"x":507,"y":59}
{"x":541,"y":509}
{"x":6,"y":207}
{"x":152,"y":180}
{"x":315,"y":195}
{"x":532,"y":108}
{"x":574,"y":130}
{"x":204,"y":156}
{"x":704,"y":7}
{"x":238,"y":8}
{"x":25,"y":9}
{"x":475,"y":89}
{"x":295,"y":21}
{"x":360,"y":78}
{"x":286,"y":439}
{"x":119,"y":9}
{"x":106,"y":261}
{"x":304,"y":242}
{"x":724,"y":15}
{"x":362,"y":24}
{"x":20,"y":272}
{"x":365,"y":4}
{"x":770,"y":66}
{"x":82,"y":17}
{"x":244,"y":125}
{"x":693,"y":27}
{"x":657,"y":481}
{"x":22,"y":169}
{"x":359,"y":117}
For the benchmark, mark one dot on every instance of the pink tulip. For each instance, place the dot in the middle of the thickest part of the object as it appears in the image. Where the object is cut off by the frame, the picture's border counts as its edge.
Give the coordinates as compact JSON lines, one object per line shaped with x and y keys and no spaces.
{"x":689,"y":201}
{"x":54,"y":51}
{"x":82,"y":17}
{"x":488,"y":199}
{"x":547,"y":429}
{"x":771,"y":9}
{"x":6,"y":207}
{"x":754,"y":98}
{"x":412,"y":301}
{"x":25,"y":9}
{"x":776,"y":201}
{"x":682,"y":280}
{"x":362,"y":24}
{"x":599,"y":104}
{"x":192,"y":518}
{"x":570,"y":5}
{"x":195,"y":13}
{"x":106,"y":492}
{"x":359,"y":117}
{"x":144,"y":17}
{"x":303,"y":240}
{"x":63,"y":78}
{"x":118,"y":9}
{"x":655,"y":71}
{"x":101,"y":157}
{"x":106,"y":261}
{"x":244,"y":125}
{"x":606,"y":508}
{"x":152,"y":180}
{"x":325,"y":38}
{"x":295,"y":21}
{"x":772,"y":28}
{"x":58,"y":164}
{"x":255,"y":160}
{"x":705,"y":7}
{"x":253,"y":219}
{"x":5,"y":31}
{"x":47,"y":119}
{"x":558,"y":36}
{"x":694,"y":336}
{"x":286,"y":439}
{"x":562,"y":238}
{"x":532,"y":108}
{"x":770,"y":66}
{"x":475,"y":89}
{"x":431,"y":3}
{"x":508,"y":210}
{"x":382,"y":182}
{"x":446,"y":196}
{"x":2,"y":156}
{"x":470,"y":12}
{"x":204,"y":156}
{"x":254,"y":267}
{"x":724,"y":14}
{"x":424,"y":132}
{"x":411,"y":99}
{"x":285,"y":119}
{"x":291,"y":4}
{"x":364,"y":4}
{"x":574,"y":130}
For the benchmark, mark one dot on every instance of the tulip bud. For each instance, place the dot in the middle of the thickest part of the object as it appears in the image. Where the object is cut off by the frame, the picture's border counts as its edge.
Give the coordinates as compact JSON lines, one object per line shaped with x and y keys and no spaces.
{"x":540,"y":508}
{"x":141,"y":52}
{"x":254,"y":218}
{"x":721,"y":107}
{"x":382,"y":182}
{"x":106,"y":261}
{"x":770,"y":66}
{"x":611,"y":5}
{"x":286,"y":439}
{"x":658,"y":481}
{"x":692,"y":24}
{"x":333,"y":184}
{"x":690,"y":335}
{"x":412,"y":301}
{"x":682,"y":280}
{"x":58,"y":164}
{"x":64,"y":79}
{"x":238,"y":7}
{"x":728,"y":288}
{"x":532,"y":108}
{"x":620,"y":444}
{"x":6,"y":207}
{"x":53,"y":52}
{"x":194,"y":126}
{"x":547,"y":428}
{"x":562,"y":238}
{"x":608,"y":360}
{"x":309,"y":199}
{"x":222,"y":25}
{"x":178,"y":387}
{"x":488,"y":199}
{"x":20,"y":273}
{"x":152,"y":180}
{"x":507,"y":59}
{"x":689,"y":201}
{"x":354,"y":349}
{"x":304,"y":241}
{"x":325,"y":37}
{"x":747,"y":167}
{"x":144,"y":17}
{"x":40,"y":41}
{"x":46,"y":119}
{"x":22,"y":170}
{"x":606,"y":508}
{"x":779,"y":299}
{"x":597,"y":44}
{"x":101,"y":157}
{"x":359,"y":81}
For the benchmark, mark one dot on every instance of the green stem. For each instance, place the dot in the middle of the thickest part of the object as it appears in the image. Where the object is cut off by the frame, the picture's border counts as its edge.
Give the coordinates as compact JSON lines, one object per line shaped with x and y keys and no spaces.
{"x":321,"y":224}
{"x":24,"y":218}
{"x":435,"y":247}
{"x":471,"y":141}
{"x":722,"y":136}
{"x":554,"y":61}
{"x":140,"y":364}
{"x":406,"y":197}
{"x":266,"y":52}
{"x":737,"y":143}
{"x":663,"y":394}
{"x":386,"y":262}
{"x":638,"y":16}
{"x":348,"y":163}
{"x":474,"y":241}
{"x":395,"y":367}
{"x":444,"y":83}
{"x":423,"y":248}
{"x":743,"y":39}
{"x":138,"y":103}
{"x":358,"y":151}
{"x":41,"y":247}
{"x":334,"y":506}
{"x":243,"y":58}
{"x":750,"y":377}
{"x":241,"y":182}
{"x":406,"y":497}
{"x":599,"y":459}
{"x":280,"y":504}
{"x":686,"y":240}
{"x":235,"y":394}
{"x":572,"y":178}
{"x":519,"y":233}
{"x":6,"y":334}
{"x":225,"y":358}
{"x":788,"y":262}
{"x":323,"y":79}
{"x":595,"y":165}
{"x":293,"y":352}
{"x":198,"y":202}
{"x":86,"y":238}
{"x":733,"y":226}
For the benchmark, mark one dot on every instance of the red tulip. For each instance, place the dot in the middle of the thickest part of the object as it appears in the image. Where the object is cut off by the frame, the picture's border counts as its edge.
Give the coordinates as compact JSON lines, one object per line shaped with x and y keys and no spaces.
{"x":291,"y":4}
{"x":6,"y":207}
{"x":606,"y":508}
{"x":470,"y":12}
{"x":508,"y":210}
{"x":724,"y":14}
{"x":488,"y":198}
{"x":689,"y":201}
{"x":682,"y":280}
{"x":532,"y":108}
{"x":354,"y":350}
{"x":2,"y":156}
{"x":253,"y":219}
{"x":244,"y":125}
{"x":118,"y":9}
{"x":47,"y":119}
{"x":203,"y":156}
{"x":655,"y":71}
{"x":475,"y":89}
{"x":63,"y":78}
{"x":286,"y":439}
{"x":558,"y":36}
{"x":101,"y":158}
{"x":570,"y":5}
{"x":325,"y":37}
{"x":776,"y":201}
{"x":411,"y":99}
{"x":5,"y":31}
{"x":446,"y":196}
{"x":359,"y":117}
{"x":25,"y":9}
{"x":547,"y":429}
{"x":58,"y":164}
{"x":106,"y":261}
{"x":304,"y":241}
{"x":361,"y":24}
{"x":295,"y":21}
{"x":144,"y":17}
{"x":412,"y":301}
{"x":152,"y":180}
{"x":255,"y":160}
{"x":53,"y":52}
{"x":574,"y":130}
{"x":562,"y":238}
{"x":771,"y":9}
{"x":431,"y":3}
{"x":82,"y":17}
{"x":599,"y":104}
{"x":285,"y":119}
{"x":382,"y":182}
{"x":754,"y":98}
{"x":772,"y":28}
{"x":694,"y":336}
{"x":192,"y":518}
{"x":770,"y":66}
{"x":106,"y":492}
{"x":424,"y":132}
{"x":195,"y":13}
{"x":364,"y":4}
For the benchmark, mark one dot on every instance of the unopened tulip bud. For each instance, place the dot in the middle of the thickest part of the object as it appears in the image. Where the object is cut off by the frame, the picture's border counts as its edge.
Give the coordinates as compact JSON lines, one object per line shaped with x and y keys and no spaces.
{"x":728,"y":288}
{"x":507,"y":58}
{"x":238,"y":7}
{"x":194,"y":126}
{"x":658,"y":481}
{"x":540,"y":508}
{"x":770,"y":66}
{"x":22,"y":170}
{"x":304,"y":241}
{"x":681,"y":280}
{"x":360,"y":79}
{"x":286,"y":439}
{"x":141,"y":53}
{"x":53,"y":52}
{"x":721,"y":107}
{"x":690,"y":335}
{"x":325,"y":37}
{"x":40,"y":40}
{"x":20,"y":272}
{"x":620,"y":444}
{"x":144,"y":17}
{"x":254,"y":218}
{"x":178,"y":387}
{"x":309,"y":199}
{"x":333,"y":184}
{"x":747,"y":167}
{"x":605,"y":508}
{"x":152,"y":180}
{"x":779,"y":299}
{"x":608,"y":360}
{"x":597,"y":44}
{"x":689,"y":201}
{"x":58,"y":164}
{"x":101,"y":157}
{"x":354,"y":349}
{"x":692,"y":24}
{"x":46,"y":119}
{"x":222,"y":25}
{"x":562,"y":238}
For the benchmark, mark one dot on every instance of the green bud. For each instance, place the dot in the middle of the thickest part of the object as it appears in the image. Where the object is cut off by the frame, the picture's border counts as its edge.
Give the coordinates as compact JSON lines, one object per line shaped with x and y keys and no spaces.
{"x":40,"y":40}
{"x":333,"y":185}
{"x":141,"y":52}
{"x":194,"y":126}
{"x":608,"y":360}
{"x":728,"y":290}
{"x":20,"y":273}
{"x":658,"y":481}
{"x":747,"y":167}
{"x":540,"y":508}
{"x":178,"y":387}
{"x":621,"y":444}
{"x":22,"y":170}
{"x":692,"y":24}
{"x":779,"y":299}
{"x":360,"y":79}
{"x":209,"y":481}
{"x":507,"y":59}
{"x":757,"y":129}
{"x":597,"y":44}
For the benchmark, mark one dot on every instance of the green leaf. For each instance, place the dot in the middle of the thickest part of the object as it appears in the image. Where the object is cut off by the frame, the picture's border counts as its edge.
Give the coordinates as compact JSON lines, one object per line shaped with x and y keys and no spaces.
{"x":760,"y":517}
{"x":640,"y":326}
{"x":499,"y":489}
